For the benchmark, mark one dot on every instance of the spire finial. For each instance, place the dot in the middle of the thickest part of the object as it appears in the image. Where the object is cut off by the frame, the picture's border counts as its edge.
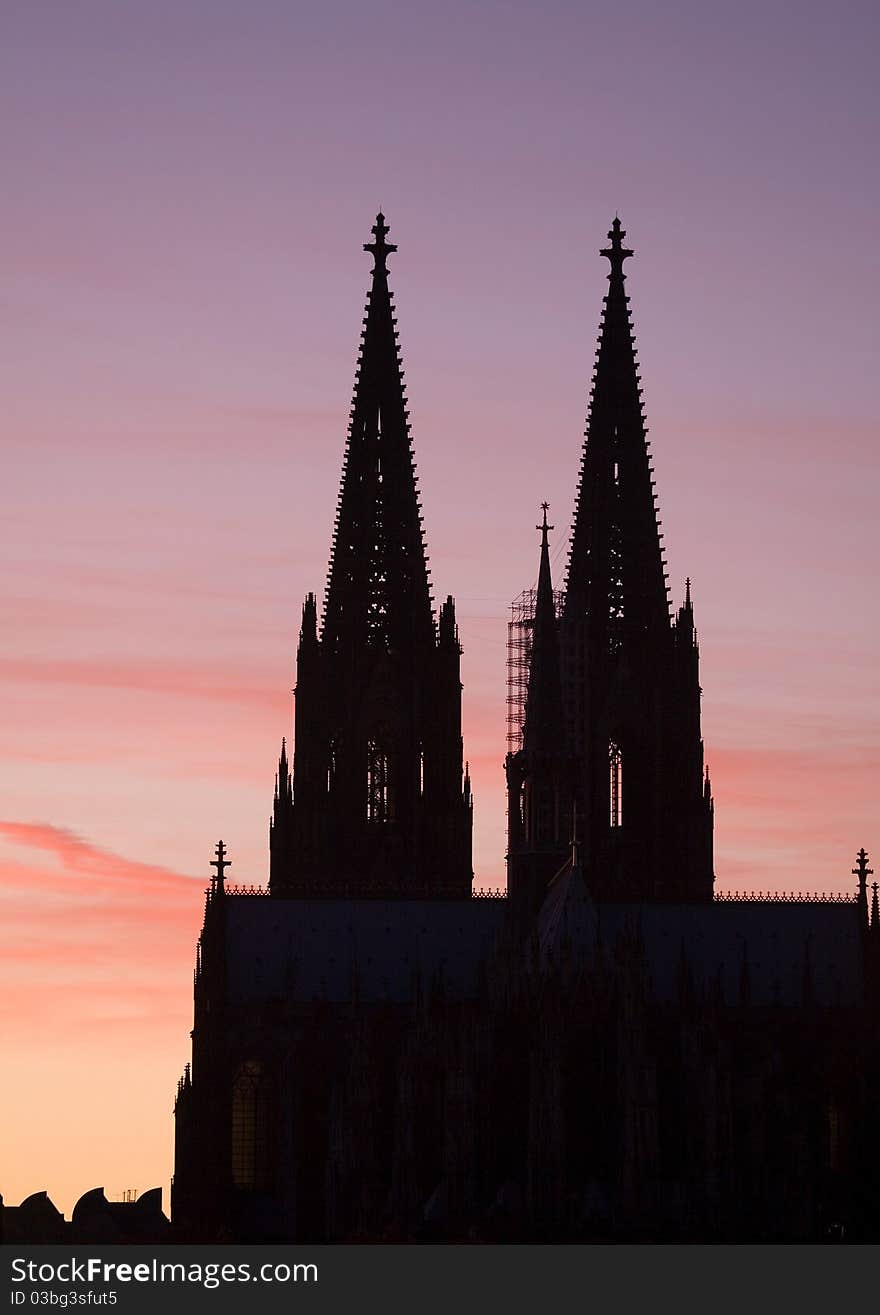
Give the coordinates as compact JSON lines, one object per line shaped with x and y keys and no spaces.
{"x":544,"y":527}
{"x":380,"y":248}
{"x":617,"y":253}
{"x":221,"y":863}
{"x":687,"y":592}
{"x":861,"y":870}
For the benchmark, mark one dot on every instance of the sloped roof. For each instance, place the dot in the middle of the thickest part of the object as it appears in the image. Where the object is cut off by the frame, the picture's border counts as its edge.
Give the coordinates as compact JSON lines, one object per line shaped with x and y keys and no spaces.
{"x":779,"y":946}
{"x":306,"y":950}
{"x":315,"y":949}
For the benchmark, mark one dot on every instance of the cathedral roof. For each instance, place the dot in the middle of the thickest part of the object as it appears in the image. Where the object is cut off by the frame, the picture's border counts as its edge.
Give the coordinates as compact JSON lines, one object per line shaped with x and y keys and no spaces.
{"x":756,"y":952}
{"x":381,"y":950}
{"x":781,"y":949}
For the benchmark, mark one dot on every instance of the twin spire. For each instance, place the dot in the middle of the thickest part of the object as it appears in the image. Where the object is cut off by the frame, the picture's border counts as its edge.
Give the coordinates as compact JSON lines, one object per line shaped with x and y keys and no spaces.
{"x":616,"y":572}
{"x":378,"y":592}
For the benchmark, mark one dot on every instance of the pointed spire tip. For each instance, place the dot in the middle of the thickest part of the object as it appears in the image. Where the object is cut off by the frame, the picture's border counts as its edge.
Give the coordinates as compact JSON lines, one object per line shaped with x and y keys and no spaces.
{"x":617,"y":253}
{"x":379,"y":248}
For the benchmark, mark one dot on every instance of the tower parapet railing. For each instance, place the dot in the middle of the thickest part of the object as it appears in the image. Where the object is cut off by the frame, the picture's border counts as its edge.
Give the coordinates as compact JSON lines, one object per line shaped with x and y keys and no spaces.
{"x":782,"y":897}
{"x":353,"y":891}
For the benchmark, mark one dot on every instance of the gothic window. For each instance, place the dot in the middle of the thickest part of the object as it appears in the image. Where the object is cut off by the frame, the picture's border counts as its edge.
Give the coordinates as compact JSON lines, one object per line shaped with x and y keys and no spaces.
{"x":250,"y":1127}
{"x":615,"y":784}
{"x":378,"y":787}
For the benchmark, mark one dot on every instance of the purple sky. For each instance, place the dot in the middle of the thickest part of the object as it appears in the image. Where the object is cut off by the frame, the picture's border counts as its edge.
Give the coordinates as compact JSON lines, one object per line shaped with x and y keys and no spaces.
{"x":186,"y":191}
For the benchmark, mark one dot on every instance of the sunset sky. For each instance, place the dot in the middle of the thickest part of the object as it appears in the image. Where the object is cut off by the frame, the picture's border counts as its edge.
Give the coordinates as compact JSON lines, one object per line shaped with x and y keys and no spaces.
{"x":187,"y":186}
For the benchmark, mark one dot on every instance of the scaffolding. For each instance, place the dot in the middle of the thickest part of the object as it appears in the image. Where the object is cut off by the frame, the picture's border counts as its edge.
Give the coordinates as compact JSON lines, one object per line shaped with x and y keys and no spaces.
{"x":519,"y":656}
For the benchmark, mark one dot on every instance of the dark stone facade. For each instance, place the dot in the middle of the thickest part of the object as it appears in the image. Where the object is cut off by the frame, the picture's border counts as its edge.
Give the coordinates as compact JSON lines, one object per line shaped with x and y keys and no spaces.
{"x":613,"y":1051}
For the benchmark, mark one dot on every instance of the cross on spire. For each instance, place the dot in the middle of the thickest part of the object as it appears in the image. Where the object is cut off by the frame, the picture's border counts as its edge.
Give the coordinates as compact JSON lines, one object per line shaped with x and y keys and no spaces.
{"x":544,"y":527}
{"x":380,"y":248}
{"x":221,"y":863}
{"x":862,"y":871}
{"x":617,"y":253}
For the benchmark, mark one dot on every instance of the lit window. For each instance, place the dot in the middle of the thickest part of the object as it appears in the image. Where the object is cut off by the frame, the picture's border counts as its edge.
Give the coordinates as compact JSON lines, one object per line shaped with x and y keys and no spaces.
{"x":378,"y":790}
{"x":615,"y":773}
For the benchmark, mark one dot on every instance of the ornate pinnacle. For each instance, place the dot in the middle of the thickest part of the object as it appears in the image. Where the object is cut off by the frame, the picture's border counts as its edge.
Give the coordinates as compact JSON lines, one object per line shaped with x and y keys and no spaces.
{"x":862,"y":871}
{"x":380,"y":248}
{"x":221,"y":863}
{"x":617,"y":253}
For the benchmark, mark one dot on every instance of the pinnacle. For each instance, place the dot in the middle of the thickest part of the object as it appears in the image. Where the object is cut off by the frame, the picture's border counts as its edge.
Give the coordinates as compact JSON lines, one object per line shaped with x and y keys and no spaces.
{"x":617,"y":253}
{"x":379,"y":248}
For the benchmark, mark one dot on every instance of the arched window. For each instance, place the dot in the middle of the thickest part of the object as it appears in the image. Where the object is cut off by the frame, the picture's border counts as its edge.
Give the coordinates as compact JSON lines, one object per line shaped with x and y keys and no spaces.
{"x":379,"y":807}
{"x":250,"y":1126}
{"x":615,"y":784}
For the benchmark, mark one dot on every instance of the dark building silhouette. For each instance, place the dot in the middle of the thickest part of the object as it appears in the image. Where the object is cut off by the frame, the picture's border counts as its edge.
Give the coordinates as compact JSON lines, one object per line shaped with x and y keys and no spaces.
{"x":612,"y":725}
{"x":378,"y":801}
{"x":94,"y":1220}
{"x":614,"y":1050}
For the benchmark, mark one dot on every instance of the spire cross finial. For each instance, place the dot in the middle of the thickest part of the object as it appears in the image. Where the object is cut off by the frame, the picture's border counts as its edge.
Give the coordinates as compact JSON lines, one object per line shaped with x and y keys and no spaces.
{"x":221,"y":863}
{"x":380,"y":248}
{"x":862,"y":871}
{"x":862,"y":860}
{"x":544,"y":527}
{"x":617,"y":253}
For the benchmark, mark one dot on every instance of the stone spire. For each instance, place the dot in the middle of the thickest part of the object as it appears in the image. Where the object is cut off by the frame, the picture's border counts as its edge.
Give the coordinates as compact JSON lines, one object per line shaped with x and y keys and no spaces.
{"x":377,"y":591}
{"x":630,"y":674}
{"x":616,"y":574}
{"x":543,"y":729}
{"x":379,"y":803}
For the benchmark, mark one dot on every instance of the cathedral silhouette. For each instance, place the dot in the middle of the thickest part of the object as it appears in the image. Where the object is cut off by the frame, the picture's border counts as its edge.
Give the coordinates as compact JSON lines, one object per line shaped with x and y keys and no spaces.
{"x":613,"y":1050}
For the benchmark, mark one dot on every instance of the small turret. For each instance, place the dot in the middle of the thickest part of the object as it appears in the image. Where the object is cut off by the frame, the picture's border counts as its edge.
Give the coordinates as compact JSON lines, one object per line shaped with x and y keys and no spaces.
{"x":283,"y":786}
{"x":221,"y":863}
{"x":447,"y":627}
{"x":539,"y":774}
{"x":862,"y":871}
{"x":308,"y":635}
{"x":684,"y":622}
{"x":543,"y":730}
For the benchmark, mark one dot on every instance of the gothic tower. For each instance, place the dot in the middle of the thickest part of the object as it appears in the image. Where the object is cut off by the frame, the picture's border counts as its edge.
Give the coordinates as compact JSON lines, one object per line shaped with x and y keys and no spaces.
{"x":630,"y":672}
{"x":611,"y":743}
{"x":378,"y":803}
